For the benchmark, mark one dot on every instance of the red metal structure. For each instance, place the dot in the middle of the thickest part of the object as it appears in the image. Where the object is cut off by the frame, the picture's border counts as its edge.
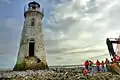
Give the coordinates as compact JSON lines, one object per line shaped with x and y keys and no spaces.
{"x":115,"y":67}
{"x":110,"y":42}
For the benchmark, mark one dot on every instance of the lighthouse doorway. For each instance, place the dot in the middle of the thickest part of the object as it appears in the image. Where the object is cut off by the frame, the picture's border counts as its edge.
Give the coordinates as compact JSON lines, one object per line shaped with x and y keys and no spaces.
{"x":31,"y":48}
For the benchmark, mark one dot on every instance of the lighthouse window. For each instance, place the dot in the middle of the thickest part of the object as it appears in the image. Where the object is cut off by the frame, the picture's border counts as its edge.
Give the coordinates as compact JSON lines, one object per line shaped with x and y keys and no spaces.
{"x":33,"y":7}
{"x":33,"y":22}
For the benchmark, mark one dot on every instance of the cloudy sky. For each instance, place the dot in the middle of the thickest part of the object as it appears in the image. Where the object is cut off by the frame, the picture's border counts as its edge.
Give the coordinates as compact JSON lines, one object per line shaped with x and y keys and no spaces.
{"x":74,"y":30}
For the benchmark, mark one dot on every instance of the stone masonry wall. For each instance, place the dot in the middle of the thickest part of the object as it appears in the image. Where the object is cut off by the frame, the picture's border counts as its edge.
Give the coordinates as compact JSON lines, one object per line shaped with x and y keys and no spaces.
{"x":32,"y":32}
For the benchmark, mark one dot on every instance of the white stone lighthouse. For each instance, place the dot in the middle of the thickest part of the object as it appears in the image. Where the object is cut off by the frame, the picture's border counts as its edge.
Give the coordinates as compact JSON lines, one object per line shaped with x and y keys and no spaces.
{"x":31,"y":53}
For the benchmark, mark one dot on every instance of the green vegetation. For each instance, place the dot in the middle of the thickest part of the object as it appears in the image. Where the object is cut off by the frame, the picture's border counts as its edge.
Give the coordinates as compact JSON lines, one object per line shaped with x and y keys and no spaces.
{"x":19,"y":66}
{"x":30,"y":63}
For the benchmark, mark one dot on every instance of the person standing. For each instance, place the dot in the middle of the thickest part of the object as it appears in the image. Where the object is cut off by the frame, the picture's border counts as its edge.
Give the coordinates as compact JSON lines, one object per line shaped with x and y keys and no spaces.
{"x":90,"y":64}
{"x":98,"y":65}
{"x":86,"y":64}
{"x":92,"y":68}
{"x":103,"y":66}
{"x":107,"y":62}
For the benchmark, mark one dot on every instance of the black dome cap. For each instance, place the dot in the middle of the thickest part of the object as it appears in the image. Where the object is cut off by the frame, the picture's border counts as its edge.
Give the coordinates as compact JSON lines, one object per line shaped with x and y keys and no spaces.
{"x":34,"y":3}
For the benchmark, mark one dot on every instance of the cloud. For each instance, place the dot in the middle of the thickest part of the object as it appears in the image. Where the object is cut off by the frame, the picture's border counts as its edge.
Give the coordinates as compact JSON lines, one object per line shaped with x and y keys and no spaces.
{"x":5,"y":1}
{"x":82,"y":23}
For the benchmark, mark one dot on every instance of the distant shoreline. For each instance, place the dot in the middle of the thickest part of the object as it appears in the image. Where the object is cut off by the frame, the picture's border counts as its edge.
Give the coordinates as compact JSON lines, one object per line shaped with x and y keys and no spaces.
{"x":63,"y":66}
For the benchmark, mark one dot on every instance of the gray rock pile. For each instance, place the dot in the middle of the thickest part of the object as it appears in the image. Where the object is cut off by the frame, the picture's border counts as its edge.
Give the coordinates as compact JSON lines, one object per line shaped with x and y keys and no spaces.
{"x":104,"y":76}
{"x":57,"y":74}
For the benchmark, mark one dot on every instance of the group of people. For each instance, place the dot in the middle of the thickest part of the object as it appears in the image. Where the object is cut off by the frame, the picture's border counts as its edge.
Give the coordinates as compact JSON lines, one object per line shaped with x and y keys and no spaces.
{"x":91,"y":67}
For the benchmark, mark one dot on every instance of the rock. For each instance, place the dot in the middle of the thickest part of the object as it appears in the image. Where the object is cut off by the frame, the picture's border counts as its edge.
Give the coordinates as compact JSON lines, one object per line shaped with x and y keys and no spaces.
{"x":57,"y":74}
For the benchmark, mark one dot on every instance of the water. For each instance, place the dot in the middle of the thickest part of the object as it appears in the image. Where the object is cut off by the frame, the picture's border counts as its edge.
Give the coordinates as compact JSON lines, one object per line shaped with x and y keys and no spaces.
{"x":66,"y":66}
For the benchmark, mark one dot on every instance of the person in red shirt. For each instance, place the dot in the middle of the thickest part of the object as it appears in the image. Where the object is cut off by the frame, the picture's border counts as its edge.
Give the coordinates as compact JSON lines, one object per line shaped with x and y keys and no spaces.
{"x":85,"y":72}
{"x":103,"y":66}
{"x":117,"y":58}
{"x":98,"y":65}
{"x":86,"y":64}
{"x":114,"y":59}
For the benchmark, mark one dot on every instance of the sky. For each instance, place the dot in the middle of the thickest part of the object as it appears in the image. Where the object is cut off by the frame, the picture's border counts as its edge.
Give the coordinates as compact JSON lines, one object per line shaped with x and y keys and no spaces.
{"x":74,"y":30}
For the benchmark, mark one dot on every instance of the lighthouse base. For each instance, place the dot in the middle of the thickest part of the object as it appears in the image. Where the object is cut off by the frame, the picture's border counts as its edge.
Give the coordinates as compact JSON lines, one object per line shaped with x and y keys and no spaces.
{"x":30,"y":63}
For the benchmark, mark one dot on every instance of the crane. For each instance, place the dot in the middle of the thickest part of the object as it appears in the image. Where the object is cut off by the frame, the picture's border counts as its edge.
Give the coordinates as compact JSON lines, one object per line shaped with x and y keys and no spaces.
{"x":109,"y":42}
{"x":115,"y":66}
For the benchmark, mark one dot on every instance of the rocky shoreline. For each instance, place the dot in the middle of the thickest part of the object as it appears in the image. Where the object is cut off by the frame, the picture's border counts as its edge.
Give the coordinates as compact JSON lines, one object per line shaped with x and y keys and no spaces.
{"x":57,"y":74}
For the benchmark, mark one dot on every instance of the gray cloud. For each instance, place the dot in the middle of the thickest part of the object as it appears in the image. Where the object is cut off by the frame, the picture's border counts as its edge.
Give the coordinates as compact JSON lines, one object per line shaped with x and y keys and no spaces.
{"x":86,"y":24}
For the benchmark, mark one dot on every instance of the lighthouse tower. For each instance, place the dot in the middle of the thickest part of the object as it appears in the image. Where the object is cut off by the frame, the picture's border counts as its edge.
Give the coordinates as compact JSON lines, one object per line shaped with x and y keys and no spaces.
{"x":31,"y":53}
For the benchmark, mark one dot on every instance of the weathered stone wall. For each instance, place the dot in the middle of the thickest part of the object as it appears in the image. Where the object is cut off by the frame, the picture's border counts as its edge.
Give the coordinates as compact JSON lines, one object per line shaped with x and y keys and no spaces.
{"x":32,"y":32}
